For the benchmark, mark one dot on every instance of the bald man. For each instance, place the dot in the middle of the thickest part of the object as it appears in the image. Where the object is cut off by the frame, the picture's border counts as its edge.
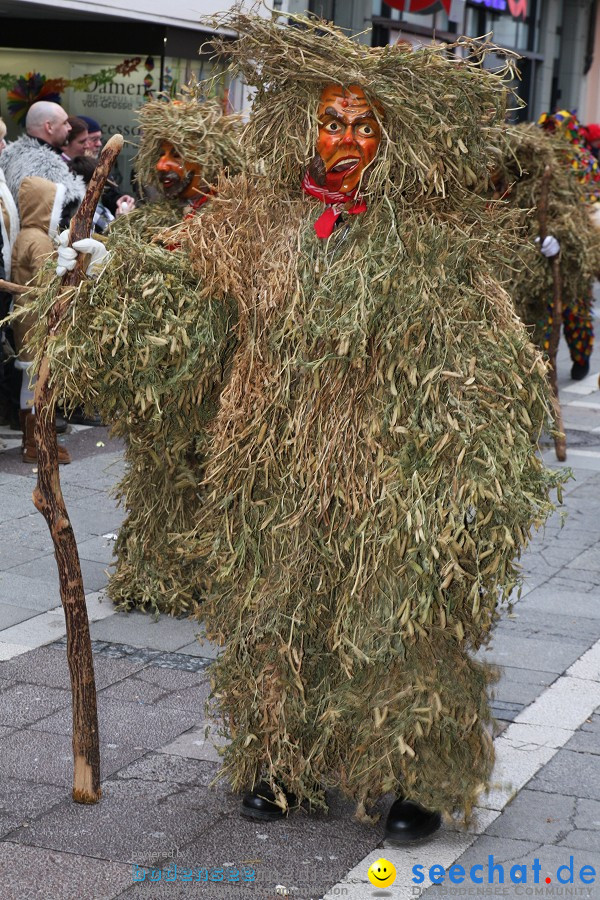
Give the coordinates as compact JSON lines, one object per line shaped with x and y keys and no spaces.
{"x":49,"y":123}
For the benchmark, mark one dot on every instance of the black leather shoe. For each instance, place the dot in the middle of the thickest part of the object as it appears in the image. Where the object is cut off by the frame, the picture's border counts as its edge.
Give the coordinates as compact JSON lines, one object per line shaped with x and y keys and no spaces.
{"x":60,"y":425}
{"x":79,"y":417}
{"x":580,"y":370}
{"x":407,"y":822}
{"x":260,"y":804}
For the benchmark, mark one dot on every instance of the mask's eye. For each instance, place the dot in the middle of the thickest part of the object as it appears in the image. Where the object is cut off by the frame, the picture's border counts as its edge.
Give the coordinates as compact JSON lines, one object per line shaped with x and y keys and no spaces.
{"x":333,"y":127}
{"x":366,"y":130}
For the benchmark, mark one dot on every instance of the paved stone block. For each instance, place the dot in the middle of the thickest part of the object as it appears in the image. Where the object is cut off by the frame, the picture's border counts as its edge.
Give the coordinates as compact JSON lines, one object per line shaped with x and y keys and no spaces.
{"x":134,"y":822}
{"x":30,"y":531}
{"x":89,"y":523}
{"x":22,"y":801}
{"x":17,"y":554}
{"x":8,"y":651}
{"x":524,"y":735}
{"x":551,"y":629}
{"x":201,"y":646}
{"x":589,"y":561}
{"x":576,"y":774}
{"x":201,"y":742}
{"x":142,"y":727}
{"x":140,"y":630}
{"x":192,"y":698}
{"x":585,"y":582}
{"x":308,"y":857}
{"x":94,"y":573}
{"x":533,"y":653}
{"x":12,"y":615}
{"x":22,"y":704}
{"x":133,"y":690}
{"x":515,"y":765}
{"x":587,"y":738}
{"x":48,"y":666}
{"x":48,"y":758}
{"x":588,"y":666}
{"x":158,"y":766}
{"x":173,"y":679}
{"x":535,"y":816}
{"x":90,"y":472}
{"x":514,"y":692}
{"x":97,"y":604}
{"x":34,"y":872}
{"x":550,"y":602}
{"x":98,"y":549}
{"x":505,"y":711}
{"x":36,"y":631}
{"x":30,"y":593}
{"x":568,"y":703}
{"x":181,"y":661}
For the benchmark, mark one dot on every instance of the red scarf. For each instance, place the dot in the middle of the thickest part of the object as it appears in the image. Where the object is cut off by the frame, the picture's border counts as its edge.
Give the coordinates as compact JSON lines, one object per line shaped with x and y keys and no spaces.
{"x":195,"y":204}
{"x":336,"y":205}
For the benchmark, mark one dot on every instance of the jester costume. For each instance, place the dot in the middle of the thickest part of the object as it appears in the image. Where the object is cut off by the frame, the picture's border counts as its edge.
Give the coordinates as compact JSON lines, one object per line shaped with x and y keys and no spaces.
{"x":526,"y":151}
{"x":371,"y":474}
{"x":142,"y":345}
{"x":582,"y":166}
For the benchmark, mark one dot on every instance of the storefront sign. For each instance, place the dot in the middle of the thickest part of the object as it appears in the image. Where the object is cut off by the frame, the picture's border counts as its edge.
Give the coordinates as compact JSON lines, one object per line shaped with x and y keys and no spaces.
{"x":420,"y":6}
{"x":516,"y":8}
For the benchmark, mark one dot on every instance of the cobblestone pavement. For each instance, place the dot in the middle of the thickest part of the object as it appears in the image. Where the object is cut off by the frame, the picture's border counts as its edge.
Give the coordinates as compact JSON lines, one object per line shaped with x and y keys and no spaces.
{"x":159,"y":808}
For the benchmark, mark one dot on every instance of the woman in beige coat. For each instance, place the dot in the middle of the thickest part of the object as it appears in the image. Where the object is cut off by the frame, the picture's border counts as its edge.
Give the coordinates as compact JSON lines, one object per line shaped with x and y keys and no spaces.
{"x":41,"y":204}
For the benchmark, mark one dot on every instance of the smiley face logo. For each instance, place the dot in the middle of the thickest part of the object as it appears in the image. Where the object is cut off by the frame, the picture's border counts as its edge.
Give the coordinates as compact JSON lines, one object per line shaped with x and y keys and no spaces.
{"x":381,"y":873}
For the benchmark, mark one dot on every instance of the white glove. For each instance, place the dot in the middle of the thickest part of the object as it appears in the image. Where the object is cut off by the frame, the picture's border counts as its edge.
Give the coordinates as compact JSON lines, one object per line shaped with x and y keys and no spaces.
{"x":67,"y":256}
{"x":549,"y":246}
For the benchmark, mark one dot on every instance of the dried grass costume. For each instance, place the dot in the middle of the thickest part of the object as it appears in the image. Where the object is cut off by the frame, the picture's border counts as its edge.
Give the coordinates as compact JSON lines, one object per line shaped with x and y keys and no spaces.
{"x":372,"y":473}
{"x":526,"y":151}
{"x":143,"y":346}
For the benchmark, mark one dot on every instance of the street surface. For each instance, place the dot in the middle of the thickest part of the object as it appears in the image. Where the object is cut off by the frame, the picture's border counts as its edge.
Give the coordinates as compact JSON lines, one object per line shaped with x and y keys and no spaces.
{"x":160,"y":811}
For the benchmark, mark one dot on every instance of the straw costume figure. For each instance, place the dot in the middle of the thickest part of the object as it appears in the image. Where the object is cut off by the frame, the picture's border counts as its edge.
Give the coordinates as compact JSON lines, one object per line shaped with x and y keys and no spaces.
{"x":526,"y":151}
{"x":142,"y":344}
{"x":371,"y":476}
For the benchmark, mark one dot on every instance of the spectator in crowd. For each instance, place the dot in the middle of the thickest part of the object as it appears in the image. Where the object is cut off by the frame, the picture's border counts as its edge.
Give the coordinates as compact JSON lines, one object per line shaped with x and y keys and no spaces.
{"x":9,"y":227}
{"x":77,"y":141}
{"x":40,"y":202}
{"x":9,"y":217}
{"x":114,"y":200}
{"x":94,"y":139}
{"x":38,"y":152}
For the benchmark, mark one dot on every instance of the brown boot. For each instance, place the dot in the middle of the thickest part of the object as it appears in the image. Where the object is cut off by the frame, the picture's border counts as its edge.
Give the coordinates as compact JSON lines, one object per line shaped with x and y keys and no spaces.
{"x":29,"y":450}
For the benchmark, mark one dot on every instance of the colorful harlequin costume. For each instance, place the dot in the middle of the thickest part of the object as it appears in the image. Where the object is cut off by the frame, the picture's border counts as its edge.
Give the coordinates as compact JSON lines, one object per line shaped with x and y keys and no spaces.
{"x":371,"y":474}
{"x":526,"y":150}
{"x":578,"y":157}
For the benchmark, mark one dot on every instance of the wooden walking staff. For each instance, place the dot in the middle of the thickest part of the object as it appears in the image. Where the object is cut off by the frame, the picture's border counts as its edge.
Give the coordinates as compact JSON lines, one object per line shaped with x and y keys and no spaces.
{"x":48,"y":499}
{"x":560,"y":441}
